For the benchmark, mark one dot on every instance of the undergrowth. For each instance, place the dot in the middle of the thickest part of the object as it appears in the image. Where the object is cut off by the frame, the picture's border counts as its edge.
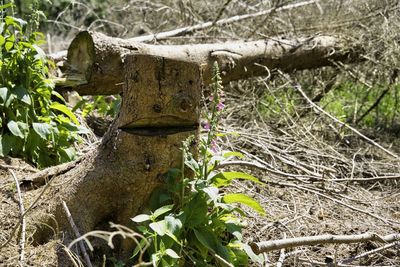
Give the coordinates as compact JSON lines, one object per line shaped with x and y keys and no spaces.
{"x":35,"y":123}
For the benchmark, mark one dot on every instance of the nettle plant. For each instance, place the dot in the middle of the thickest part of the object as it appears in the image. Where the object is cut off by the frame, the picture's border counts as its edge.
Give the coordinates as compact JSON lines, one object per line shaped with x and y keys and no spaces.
{"x":196,"y":220}
{"x":32,"y":125}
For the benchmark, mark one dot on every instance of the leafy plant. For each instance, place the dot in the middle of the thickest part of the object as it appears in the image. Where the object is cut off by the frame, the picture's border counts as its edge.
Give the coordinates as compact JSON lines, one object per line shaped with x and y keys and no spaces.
{"x":104,"y":105}
{"x":195,"y":220}
{"x":32,"y":125}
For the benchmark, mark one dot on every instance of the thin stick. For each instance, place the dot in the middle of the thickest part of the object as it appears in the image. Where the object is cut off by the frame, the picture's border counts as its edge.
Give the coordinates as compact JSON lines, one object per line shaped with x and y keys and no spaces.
{"x":266,"y":246}
{"x":387,"y":246}
{"x":22,"y":221}
{"x":282,"y":256}
{"x":298,"y":88}
{"x":77,"y":234}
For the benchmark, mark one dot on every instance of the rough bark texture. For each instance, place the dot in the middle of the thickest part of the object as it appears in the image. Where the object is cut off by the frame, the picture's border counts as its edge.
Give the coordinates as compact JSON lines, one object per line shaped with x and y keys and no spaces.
{"x":160,"y":109}
{"x":98,"y":59}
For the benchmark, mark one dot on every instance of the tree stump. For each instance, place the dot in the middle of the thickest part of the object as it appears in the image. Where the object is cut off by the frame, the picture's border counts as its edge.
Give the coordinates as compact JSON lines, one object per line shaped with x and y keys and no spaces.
{"x":160,"y":109}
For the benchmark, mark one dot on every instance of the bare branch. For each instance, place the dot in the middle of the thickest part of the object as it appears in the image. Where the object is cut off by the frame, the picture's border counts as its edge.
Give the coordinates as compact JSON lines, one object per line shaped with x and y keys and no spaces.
{"x":22,"y":221}
{"x":202,"y":26}
{"x":265,"y":246}
{"x":77,"y":234}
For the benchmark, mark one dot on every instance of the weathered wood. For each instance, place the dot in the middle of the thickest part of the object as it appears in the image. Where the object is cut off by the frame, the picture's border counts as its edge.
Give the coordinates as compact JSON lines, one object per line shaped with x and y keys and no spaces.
{"x":160,"y":109}
{"x":100,"y":58}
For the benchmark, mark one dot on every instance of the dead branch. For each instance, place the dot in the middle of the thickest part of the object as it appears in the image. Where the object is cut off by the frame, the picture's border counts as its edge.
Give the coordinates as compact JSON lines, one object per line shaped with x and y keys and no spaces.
{"x":40,"y":178}
{"x":266,"y":246}
{"x":221,"y":22}
{"x":59,"y":56}
{"x":77,"y":234}
{"x":22,"y":220}
{"x":96,"y":61}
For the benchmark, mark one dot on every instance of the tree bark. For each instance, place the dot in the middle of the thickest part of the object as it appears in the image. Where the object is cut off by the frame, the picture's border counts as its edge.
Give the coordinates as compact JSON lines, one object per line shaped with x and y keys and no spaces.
{"x":96,"y":61}
{"x":160,"y":109}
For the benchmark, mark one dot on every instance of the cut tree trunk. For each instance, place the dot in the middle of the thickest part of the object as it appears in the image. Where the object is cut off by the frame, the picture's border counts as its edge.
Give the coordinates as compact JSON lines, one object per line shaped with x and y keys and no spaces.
{"x":96,"y":61}
{"x":160,"y":109}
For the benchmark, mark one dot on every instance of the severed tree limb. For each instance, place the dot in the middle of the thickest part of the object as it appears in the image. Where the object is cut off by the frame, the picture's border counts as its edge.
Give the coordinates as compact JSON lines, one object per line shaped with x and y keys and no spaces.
{"x":96,"y":61}
{"x":266,"y":246}
{"x":22,"y":221}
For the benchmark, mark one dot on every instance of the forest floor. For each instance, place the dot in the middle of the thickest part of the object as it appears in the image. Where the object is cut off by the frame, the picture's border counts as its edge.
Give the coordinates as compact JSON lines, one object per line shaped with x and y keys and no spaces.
{"x":316,"y":182}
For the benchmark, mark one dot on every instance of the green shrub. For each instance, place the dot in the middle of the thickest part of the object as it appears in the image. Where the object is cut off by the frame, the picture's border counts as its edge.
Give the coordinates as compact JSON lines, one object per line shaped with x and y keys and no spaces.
{"x":32,"y":125}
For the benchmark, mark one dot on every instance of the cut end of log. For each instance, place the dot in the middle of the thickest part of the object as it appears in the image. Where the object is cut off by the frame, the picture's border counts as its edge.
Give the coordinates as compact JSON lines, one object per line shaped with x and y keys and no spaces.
{"x":255,"y":248}
{"x":81,"y":54}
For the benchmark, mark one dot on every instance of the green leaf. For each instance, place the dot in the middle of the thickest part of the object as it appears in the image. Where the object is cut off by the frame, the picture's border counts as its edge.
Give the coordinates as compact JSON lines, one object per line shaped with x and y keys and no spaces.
{"x":8,"y":45}
{"x":256,"y":258}
{"x":4,"y":94}
{"x":10,"y":4}
{"x":212,"y":192}
{"x":195,"y":212}
{"x":141,"y":218}
{"x":233,"y":154}
{"x":2,"y":40}
{"x":6,"y":143}
{"x":225,"y":178}
{"x":208,"y":239}
{"x":64,"y":109}
{"x":174,"y":226}
{"x":245,"y":200}
{"x":67,"y":154}
{"x":172,"y":253}
{"x":161,"y":211}
{"x":42,"y":129}
{"x":18,"y":128}
{"x":22,"y":94}
{"x":40,"y":54}
{"x":159,"y":227}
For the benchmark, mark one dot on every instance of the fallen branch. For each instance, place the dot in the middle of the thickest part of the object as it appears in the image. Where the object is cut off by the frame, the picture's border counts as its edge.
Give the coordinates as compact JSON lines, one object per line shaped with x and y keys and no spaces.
{"x":266,"y":246}
{"x":77,"y":234}
{"x":96,"y":61}
{"x":59,"y":56}
{"x":221,"y":22}
{"x":22,"y":221}
{"x":367,"y":179}
{"x":40,"y":178}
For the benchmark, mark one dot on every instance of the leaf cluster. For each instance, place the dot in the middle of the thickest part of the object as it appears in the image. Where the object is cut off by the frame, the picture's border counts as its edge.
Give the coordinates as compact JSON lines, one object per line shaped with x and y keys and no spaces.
{"x":35,"y":123}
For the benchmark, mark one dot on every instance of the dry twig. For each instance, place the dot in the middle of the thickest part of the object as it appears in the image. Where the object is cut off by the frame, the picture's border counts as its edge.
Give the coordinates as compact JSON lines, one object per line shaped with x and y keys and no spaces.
{"x":22,"y":221}
{"x":205,"y":25}
{"x":77,"y":234}
{"x":265,"y":246}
